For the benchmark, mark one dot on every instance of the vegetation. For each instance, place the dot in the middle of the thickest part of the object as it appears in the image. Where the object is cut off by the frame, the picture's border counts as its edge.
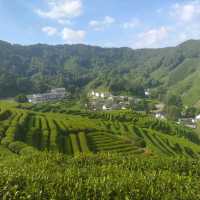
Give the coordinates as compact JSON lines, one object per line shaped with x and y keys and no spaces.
{"x":61,"y":151}
{"x":94,"y":155}
{"x":21,"y":98}
{"x":102,"y":176}
{"x":73,"y":132}
{"x":80,"y":68}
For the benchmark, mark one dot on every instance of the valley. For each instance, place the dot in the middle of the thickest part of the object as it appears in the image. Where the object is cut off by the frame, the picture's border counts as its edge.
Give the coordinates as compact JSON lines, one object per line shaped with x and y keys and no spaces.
{"x":109,"y":123}
{"x":99,"y":100}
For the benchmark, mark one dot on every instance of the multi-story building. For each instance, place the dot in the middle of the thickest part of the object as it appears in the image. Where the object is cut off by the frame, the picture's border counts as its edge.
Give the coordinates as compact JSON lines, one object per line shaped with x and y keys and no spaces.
{"x":54,"y":94}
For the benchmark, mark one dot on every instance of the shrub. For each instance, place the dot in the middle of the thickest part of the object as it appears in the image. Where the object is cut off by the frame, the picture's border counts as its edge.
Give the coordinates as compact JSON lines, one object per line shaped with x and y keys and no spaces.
{"x":17,"y":146}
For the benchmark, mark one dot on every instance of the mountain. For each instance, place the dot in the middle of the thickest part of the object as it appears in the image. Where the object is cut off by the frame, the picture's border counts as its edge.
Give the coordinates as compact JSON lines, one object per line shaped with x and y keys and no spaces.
{"x":37,"y":68}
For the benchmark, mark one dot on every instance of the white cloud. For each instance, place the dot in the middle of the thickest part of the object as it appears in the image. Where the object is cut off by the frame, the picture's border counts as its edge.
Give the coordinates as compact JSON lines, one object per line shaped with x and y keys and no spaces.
{"x":152,"y":38}
{"x":65,"y":22}
{"x":73,"y":36}
{"x":185,"y":25}
{"x":67,"y":34}
{"x":186,"y":17}
{"x":61,"y":9}
{"x":101,"y":25}
{"x":183,"y":33}
{"x":186,"y":12}
{"x":50,"y":30}
{"x":131,"y":24}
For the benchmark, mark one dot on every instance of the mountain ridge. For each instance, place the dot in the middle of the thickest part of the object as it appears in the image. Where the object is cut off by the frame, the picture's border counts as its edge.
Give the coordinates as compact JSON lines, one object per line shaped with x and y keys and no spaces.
{"x":36,"y":68}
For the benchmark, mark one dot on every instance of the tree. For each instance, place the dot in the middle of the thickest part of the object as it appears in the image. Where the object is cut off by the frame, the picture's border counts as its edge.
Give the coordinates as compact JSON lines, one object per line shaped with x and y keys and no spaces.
{"x":142,"y":105}
{"x":173,"y":112}
{"x":174,"y":100}
{"x":21,"y":98}
{"x":191,"y":112}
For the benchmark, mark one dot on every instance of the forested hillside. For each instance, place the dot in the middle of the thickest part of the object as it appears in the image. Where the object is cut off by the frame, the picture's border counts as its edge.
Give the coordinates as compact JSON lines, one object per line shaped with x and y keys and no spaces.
{"x":37,"y":68}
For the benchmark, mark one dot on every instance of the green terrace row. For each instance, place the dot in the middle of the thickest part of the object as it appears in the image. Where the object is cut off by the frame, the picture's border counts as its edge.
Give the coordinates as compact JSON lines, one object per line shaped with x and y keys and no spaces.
{"x":46,"y":133}
{"x":167,"y":145}
{"x":72,"y":134}
{"x":100,"y":141}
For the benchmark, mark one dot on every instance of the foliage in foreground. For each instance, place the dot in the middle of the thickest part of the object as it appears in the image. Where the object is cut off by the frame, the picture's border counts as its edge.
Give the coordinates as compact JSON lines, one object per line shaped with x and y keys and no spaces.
{"x":101,"y":176}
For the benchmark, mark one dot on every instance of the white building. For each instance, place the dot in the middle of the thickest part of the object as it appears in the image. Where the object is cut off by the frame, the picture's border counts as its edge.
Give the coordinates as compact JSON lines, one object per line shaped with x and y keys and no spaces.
{"x":147,"y":92}
{"x":104,"y":107}
{"x":102,"y":95}
{"x":159,"y":116}
{"x":97,"y":94}
{"x":197,"y":118}
{"x":54,"y":94}
{"x":58,"y":90}
{"x":188,"y":122}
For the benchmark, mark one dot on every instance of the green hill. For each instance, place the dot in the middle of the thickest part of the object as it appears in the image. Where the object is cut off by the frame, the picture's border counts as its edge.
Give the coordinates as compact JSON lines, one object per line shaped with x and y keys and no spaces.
{"x":37,"y":68}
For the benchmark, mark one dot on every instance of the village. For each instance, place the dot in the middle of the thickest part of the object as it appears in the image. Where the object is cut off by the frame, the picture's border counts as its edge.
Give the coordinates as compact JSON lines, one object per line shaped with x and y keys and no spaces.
{"x":106,"y":101}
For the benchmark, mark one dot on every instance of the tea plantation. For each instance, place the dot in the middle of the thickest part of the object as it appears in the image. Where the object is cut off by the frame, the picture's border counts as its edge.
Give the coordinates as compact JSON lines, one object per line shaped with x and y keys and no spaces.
{"x":95,"y":155}
{"x":100,"y":176}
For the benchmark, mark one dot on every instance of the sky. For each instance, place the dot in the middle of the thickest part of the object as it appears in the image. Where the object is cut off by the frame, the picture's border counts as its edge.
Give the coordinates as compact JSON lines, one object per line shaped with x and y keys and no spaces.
{"x":106,"y":23}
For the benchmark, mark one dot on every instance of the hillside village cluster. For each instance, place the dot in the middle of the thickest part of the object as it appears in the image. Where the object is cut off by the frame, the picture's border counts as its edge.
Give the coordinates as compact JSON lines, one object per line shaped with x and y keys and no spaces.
{"x":105,"y":101}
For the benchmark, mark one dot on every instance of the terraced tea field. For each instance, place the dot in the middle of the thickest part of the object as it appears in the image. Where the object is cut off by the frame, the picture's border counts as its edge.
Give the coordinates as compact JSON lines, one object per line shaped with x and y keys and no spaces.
{"x":55,"y":132}
{"x":77,"y":133}
{"x":101,"y":141}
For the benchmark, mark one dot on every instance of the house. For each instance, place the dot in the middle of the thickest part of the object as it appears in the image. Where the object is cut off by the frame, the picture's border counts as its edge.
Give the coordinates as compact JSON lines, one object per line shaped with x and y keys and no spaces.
{"x":105,"y":107}
{"x":160,"y":107}
{"x":111,"y":98}
{"x":107,"y":101}
{"x":188,"y":122}
{"x":147,"y":92}
{"x":160,"y":116}
{"x":116,"y":106}
{"x":95,"y":94}
{"x":102,"y":95}
{"x":58,"y":90}
{"x":123,"y":108}
{"x":197,"y":118}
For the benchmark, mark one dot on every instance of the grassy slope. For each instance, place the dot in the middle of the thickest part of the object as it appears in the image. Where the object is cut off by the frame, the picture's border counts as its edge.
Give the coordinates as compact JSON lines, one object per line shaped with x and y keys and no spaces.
{"x":182,"y":79}
{"x":185,"y":80}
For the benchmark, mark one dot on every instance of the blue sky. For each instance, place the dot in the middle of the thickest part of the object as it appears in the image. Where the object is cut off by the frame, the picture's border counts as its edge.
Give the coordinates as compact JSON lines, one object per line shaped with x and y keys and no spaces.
{"x":111,"y":23}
